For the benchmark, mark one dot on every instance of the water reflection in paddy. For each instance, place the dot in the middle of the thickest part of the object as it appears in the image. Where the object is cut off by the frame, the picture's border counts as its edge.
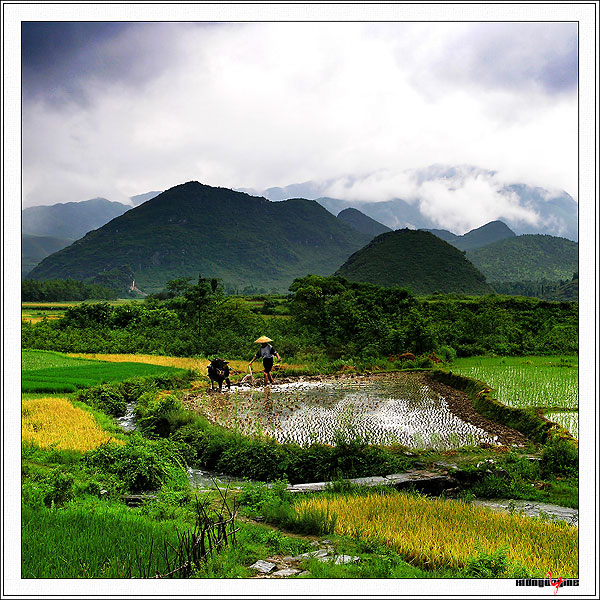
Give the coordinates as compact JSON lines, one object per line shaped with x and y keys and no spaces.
{"x":396,"y":410}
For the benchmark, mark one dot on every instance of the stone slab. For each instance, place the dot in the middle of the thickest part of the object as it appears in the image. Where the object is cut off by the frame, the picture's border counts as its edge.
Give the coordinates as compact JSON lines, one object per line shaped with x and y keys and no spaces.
{"x":263,"y":566}
{"x":289,"y":572}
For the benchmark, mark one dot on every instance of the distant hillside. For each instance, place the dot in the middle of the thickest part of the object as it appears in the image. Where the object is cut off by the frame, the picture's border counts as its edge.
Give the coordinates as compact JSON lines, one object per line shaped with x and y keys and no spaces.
{"x":555,"y":291}
{"x":72,"y":219}
{"x":191,"y":229}
{"x":396,"y":214}
{"x":527,"y":258}
{"x":34,"y":248}
{"x":476,"y":238}
{"x":141,"y":198}
{"x":415,"y":259}
{"x":362,"y":222}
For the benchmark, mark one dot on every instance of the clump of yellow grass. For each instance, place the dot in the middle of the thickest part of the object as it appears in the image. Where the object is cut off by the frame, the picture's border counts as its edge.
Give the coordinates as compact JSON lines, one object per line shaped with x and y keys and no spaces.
{"x":56,"y":422}
{"x":437,"y":533}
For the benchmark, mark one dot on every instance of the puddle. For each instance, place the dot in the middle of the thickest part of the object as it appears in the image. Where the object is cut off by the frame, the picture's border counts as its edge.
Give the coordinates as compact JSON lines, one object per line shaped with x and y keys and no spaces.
{"x":395,"y":410}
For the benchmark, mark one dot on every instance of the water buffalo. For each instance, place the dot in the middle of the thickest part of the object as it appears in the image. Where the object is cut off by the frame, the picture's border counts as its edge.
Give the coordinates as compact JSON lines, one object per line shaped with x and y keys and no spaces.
{"x":218,"y":370}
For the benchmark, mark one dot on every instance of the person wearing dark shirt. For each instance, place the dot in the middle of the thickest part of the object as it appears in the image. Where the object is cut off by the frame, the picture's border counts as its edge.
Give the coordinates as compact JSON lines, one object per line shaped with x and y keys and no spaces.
{"x":267,"y":353}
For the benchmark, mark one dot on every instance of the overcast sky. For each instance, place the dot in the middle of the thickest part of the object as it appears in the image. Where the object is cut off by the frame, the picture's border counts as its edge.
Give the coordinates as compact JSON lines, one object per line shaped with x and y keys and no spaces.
{"x":118,"y":109}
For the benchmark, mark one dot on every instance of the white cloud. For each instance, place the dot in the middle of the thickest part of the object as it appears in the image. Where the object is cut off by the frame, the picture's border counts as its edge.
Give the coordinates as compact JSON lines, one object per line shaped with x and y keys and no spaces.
{"x":259,"y":105}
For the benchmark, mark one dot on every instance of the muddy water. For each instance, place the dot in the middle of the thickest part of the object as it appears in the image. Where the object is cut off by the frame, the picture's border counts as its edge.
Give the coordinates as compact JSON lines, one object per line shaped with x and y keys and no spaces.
{"x":399,"y":409}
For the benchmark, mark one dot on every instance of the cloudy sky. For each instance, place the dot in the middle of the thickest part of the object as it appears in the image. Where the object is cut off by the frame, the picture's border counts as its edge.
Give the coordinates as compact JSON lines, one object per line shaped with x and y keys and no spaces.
{"x":118,"y":109}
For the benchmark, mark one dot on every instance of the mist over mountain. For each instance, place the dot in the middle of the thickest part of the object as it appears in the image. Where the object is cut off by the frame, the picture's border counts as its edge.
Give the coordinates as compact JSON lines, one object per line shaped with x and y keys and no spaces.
{"x":435,"y":197}
{"x":141,"y":198}
{"x":71,"y":219}
{"x":191,"y":229}
{"x":35,"y":248}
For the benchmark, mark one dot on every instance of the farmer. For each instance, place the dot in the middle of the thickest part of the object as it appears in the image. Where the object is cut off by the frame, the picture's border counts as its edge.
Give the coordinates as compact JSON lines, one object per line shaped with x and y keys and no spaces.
{"x":266,"y":352}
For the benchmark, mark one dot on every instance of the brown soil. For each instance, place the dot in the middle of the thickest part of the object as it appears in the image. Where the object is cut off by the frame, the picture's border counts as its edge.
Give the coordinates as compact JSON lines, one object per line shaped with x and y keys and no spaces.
{"x":462,"y":406}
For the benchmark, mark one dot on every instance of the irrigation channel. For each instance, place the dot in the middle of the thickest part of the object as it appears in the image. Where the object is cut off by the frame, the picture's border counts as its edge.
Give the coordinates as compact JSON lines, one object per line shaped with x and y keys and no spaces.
{"x":395,"y":408}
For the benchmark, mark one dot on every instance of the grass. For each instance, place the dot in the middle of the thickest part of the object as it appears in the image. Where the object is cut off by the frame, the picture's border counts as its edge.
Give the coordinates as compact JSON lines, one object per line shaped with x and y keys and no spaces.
{"x":89,"y":540}
{"x":437,"y":533}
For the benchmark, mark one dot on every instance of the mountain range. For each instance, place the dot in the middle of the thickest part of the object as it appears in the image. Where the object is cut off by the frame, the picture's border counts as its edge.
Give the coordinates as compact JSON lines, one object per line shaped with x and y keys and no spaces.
{"x":248,"y":242}
{"x":256,"y":245}
{"x":476,"y":238}
{"x":70,"y":220}
{"x":527,"y":209}
{"x":361,"y":222}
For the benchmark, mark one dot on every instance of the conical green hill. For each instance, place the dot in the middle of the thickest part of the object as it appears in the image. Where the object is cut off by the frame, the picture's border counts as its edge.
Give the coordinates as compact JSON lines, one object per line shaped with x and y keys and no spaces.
{"x":415,"y":259}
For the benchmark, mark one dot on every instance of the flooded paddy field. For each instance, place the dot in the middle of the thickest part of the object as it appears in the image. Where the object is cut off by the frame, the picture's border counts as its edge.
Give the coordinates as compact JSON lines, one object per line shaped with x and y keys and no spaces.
{"x":399,"y":408}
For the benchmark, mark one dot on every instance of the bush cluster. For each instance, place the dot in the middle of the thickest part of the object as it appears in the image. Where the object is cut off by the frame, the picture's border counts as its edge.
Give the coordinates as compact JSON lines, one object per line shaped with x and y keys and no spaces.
{"x":142,"y":464}
{"x":112,"y":398}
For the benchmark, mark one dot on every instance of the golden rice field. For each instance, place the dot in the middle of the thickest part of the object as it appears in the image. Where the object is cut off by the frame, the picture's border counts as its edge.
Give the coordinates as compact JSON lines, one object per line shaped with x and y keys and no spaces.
{"x":437,"y":532}
{"x":179,"y":362}
{"x":48,"y":422}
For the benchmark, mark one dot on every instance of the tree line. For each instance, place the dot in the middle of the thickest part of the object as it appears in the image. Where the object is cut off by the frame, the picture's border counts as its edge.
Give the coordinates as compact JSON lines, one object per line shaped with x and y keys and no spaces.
{"x":56,"y":290}
{"x":330,"y":318}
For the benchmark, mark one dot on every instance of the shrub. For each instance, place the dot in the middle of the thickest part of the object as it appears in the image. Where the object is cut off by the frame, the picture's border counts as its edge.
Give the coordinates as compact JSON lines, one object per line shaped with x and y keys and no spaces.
{"x":106,"y":397}
{"x":142,"y":464}
{"x":488,"y":564}
{"x":560,"y":457}
{"x":161,"y":414}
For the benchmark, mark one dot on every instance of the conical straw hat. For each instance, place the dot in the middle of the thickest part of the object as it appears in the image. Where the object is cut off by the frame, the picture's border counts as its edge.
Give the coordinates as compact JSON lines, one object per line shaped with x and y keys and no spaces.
{"x":263,"y":340}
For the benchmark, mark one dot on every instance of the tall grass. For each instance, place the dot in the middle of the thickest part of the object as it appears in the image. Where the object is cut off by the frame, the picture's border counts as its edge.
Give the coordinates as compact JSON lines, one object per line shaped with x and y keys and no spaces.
{"x":55,"y":422}
{"x":434,"y":533}
{"x":93,"y":540}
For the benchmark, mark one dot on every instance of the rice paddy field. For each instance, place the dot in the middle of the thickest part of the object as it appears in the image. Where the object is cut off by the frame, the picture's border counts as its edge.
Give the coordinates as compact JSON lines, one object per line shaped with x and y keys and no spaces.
{"x":436,"y":532}
{"x":52,"y":372}
{"x":56,"y":422}
{"x":399,"y":409}
{"x":550,"y":383}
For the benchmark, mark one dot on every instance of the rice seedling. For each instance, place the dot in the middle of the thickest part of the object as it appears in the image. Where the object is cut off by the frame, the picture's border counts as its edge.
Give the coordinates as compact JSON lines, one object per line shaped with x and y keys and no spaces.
{"x":569,"y":419}
{"x":402,"y":410}
{"x":543,"y":382}
{"x":42,"y":359}
{"x":437,"y":533}
{"x":48,"y":422}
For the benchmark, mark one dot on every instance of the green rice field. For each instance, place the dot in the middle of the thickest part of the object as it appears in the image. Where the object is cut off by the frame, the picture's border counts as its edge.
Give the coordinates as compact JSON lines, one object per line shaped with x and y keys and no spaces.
{"x":52,"y":372}
{"x":550,"y":383}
